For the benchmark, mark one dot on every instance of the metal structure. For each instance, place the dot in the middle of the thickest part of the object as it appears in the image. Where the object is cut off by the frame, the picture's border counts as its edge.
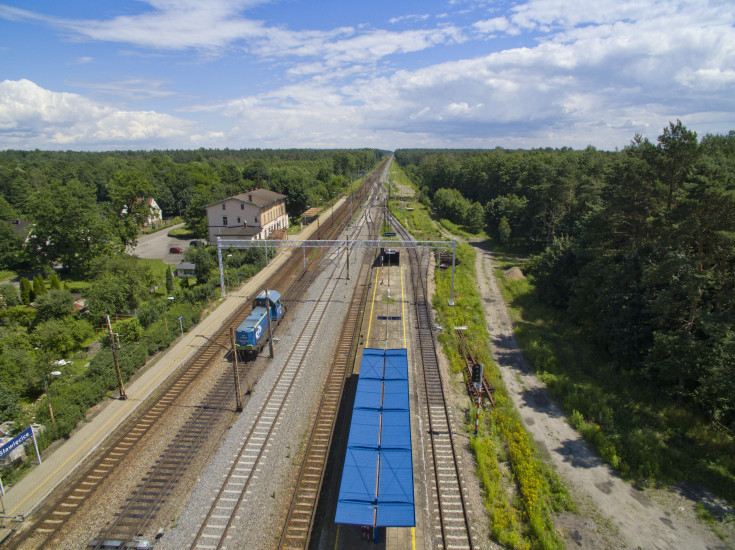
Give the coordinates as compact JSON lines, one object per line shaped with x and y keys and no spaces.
{"x":347,"y":245}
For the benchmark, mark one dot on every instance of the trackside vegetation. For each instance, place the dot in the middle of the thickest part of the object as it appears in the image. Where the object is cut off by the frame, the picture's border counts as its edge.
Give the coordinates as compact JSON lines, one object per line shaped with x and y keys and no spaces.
{"x":627,"y":313}
{"x":505,"y":453}
{"x":641,"y":433}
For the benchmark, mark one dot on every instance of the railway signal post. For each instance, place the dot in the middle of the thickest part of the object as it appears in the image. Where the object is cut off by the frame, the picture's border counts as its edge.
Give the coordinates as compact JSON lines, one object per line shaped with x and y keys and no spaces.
{"x":477,"y":383}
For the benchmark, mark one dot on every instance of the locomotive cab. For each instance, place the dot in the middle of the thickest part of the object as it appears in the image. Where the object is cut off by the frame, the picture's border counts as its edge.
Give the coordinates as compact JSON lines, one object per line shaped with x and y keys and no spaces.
{"x":273,"y":303}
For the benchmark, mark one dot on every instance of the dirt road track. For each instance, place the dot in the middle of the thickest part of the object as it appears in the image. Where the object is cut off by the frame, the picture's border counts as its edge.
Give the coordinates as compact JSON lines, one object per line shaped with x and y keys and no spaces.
{"x":613,"y":513}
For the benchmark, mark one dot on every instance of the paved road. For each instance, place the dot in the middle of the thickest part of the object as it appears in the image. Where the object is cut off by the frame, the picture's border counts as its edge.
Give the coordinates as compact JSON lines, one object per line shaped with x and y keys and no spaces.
{"x":156,"y":246}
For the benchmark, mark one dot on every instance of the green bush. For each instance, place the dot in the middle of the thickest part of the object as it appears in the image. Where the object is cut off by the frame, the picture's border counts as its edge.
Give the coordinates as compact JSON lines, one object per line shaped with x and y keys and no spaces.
{"x":8,"y":296}
{"x":130,"y":330}
{"x":54,"y":304}
{"x":9,"y":407}
{"x":149,"y":312}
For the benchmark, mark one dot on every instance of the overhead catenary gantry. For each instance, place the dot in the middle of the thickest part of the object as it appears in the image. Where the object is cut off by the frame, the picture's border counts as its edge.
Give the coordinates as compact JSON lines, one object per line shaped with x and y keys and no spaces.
{"x":345,"y":245}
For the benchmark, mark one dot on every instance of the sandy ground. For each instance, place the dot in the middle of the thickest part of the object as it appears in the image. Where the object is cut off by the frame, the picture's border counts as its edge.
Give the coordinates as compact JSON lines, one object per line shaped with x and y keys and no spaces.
{"x":613,"y":514}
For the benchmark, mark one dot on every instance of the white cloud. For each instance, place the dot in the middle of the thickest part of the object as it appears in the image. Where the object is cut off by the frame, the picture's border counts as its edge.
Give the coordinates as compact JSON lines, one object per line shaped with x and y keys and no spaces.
{"x":493,"y":25}
{"x":129,"y":89}
{"x":412,"y":17}
{"x":344,"y":47}
{"x":169,"y":24}
{"x":31,"y":116}
{"x":599,"y":83}
{"x":586,"y":71}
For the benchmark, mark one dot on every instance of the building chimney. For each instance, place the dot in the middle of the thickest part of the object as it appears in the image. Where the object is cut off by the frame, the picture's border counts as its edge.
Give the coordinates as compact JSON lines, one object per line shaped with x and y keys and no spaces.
{"x":245,"y":224}
{"x":250,"y":198}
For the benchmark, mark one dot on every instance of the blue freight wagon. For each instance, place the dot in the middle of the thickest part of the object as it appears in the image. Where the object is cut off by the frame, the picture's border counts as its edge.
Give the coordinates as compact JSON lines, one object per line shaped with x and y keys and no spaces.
{"x":252,"y":334}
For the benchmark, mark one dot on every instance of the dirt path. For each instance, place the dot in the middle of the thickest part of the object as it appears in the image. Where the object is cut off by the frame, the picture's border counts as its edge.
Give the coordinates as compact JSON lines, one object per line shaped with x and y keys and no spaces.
{"x":613,"y":513}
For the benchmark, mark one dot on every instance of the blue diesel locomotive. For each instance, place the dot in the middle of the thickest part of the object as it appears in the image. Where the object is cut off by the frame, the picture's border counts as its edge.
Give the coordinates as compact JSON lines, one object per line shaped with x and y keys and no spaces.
{"x":252,"y":334}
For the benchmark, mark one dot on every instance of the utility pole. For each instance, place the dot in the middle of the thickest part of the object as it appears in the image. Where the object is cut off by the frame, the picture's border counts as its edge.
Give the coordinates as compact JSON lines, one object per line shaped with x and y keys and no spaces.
{"x":238,"y":396}
{"x":270,"y":332}
{"x":123,"y":397}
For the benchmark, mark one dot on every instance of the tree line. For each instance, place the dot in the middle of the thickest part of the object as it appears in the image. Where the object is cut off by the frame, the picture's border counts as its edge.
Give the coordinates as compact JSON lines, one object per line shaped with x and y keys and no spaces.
{"x":83,"y":205}
{"x":637,"y":246}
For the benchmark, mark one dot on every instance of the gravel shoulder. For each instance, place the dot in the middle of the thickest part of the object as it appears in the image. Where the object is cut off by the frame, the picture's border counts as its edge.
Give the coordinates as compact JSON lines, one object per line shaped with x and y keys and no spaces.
{"x":613,"y":514}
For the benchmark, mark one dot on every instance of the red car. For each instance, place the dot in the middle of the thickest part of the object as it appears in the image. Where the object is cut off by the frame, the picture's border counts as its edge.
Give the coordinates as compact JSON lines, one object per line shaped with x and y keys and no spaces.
{"x":175,"y":250}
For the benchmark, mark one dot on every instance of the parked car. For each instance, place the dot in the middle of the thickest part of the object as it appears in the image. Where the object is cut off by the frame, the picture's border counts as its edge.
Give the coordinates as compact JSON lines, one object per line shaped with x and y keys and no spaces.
{"x":175,"y":250}
{"x":196,"y":243}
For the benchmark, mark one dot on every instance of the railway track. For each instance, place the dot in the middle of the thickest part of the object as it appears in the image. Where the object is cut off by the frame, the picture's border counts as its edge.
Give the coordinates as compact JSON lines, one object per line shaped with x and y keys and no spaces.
{"x":219,"y":524}
{"x":299,"y":523}
{"x":451,"y":522}
{"x":157,"y":484}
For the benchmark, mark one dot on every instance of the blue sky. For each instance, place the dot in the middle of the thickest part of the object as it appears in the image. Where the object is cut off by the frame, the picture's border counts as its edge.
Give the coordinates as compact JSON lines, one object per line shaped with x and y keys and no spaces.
{"x":155,"y":74}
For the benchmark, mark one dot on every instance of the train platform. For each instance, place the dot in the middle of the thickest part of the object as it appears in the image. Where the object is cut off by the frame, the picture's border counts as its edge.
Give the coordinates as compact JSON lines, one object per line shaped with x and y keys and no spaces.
{"x":61,"y":461}
{"x":386,"y":325}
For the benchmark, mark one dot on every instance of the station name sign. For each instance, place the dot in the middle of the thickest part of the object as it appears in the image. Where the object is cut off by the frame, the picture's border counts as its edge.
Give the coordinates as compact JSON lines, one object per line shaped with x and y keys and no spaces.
{"x":17,"y":441}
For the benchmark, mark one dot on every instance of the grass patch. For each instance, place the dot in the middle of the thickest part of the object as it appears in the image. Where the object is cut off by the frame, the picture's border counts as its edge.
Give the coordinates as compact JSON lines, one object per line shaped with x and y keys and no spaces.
{"x":461,"y":230}
{"x":417,"y":221}
{"x":641,"y":433}
{"x":7,"y":275}
{"x":400,"y":177}
{"x":158,"y":267}
{"x":183,"y":233}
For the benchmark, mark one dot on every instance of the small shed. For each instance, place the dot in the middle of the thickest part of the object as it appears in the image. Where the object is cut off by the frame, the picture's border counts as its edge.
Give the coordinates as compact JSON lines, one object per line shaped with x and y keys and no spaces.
{"x":310,"y":215}
{"x":185,"y":270}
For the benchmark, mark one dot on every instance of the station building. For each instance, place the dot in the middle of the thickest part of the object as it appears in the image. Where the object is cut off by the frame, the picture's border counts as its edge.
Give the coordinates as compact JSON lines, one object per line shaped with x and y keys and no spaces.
{"x":254,"y":214}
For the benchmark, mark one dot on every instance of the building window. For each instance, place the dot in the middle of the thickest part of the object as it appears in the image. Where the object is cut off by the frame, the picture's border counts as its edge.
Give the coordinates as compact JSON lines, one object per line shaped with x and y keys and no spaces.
{"x":223,"y":206}
{"x":256,"y":219}
{"x":224,"y":220}
{"x":242,"y":206}
{"x":238,"y":219}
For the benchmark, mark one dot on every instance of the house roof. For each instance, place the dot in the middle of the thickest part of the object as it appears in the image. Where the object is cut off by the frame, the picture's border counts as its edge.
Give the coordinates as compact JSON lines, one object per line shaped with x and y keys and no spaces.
{"x":258,"y":197}
{"x":312,"y":212}
{"x":185,"y":265}
{"x":20,"y":227}
{"x":240,"y":231}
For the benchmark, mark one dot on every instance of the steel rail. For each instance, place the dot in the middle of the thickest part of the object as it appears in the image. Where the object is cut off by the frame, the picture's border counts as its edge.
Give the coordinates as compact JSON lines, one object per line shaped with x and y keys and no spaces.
{"x":298,"y":527}
{"x":233,"y":490}
{"x":452,"y":517}
{"x":160,"y":480}
{"x":141,"y":508}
